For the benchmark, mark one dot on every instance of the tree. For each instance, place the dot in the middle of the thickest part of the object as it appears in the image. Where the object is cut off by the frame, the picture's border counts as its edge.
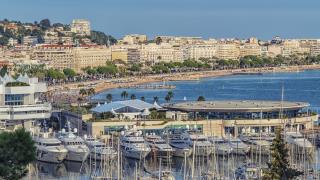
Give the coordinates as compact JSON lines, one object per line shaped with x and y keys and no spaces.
{"x":70,"y":73}
{"x":158,"y":40}
{"x":279,"y":167}
{"x":124,"y":94}
{"x":109,"y":98}
{"x":44,"y":24}
{"x":3,"y":71}
{"x":17,"y":150}
{"x":135,"y":67}
{"x":155,"y":98}
{"x":170,"y":94}
{"x":54,"y":74}
{"x":133,"y":96}
{"x":91,"y":91}
{"x":101,"y":38}
{"x":82,"y":92}
{"x":167,"y":98}
{"x":201,"y":98}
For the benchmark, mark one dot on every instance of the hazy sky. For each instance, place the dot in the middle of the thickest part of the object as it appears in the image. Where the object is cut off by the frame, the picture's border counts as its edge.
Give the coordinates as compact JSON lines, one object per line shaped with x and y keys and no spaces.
{"x":207,"y":18}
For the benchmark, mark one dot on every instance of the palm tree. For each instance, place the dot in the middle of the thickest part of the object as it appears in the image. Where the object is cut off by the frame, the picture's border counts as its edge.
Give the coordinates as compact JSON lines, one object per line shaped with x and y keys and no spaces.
{"x":133,"y":96}
{"x":124,"y":94}
{"x":170,"y":94}
{"x":82,"y":92}
{"x":91,"y":91}
{"x":201,"y":98}
{"x":143,"y":98}
{"x":155,"y":99}
{"x":167,"y":98}
{"x":109,"y":98}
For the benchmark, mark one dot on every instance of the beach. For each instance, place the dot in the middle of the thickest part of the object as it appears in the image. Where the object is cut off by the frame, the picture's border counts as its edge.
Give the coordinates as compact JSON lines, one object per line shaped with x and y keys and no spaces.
{"x":105,"y":84}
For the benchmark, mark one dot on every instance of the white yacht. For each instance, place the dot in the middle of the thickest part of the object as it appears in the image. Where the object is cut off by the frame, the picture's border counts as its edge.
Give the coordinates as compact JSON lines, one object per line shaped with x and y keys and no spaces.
{"x":198,"y":142}
{"x":133,"y":145}
{"x":297,"y":139}
{"x":180,"y":147}
{"x":221,"y":147}
{"x":238,"y":147}
{"x":99,"y":150}
{"x":258,"y":144}
{"x":49,"y":149}
{"x":77,"y":150}
{"x":159,"y":147}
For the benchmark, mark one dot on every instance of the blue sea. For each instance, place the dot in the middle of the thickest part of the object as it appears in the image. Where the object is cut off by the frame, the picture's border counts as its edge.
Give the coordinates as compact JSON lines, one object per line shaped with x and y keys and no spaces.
{"x":298,"y":86}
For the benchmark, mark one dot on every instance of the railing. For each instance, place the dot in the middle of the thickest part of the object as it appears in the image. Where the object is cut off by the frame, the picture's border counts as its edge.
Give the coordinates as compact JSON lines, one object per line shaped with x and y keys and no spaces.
{"x":23,"y":112}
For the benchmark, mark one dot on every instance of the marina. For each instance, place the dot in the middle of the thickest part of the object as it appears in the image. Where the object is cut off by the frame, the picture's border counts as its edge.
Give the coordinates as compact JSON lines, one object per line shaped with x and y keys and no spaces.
{"x":196,"y":152}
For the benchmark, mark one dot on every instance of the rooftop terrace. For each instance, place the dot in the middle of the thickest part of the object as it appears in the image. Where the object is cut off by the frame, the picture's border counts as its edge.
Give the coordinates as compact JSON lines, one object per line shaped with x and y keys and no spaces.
{"x":236,"y":106}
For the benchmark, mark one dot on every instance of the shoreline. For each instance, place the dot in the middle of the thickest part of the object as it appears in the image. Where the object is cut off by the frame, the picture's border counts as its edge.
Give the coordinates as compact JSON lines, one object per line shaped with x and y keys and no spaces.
{"x":127,"y":82}
{"x":192,"y":76}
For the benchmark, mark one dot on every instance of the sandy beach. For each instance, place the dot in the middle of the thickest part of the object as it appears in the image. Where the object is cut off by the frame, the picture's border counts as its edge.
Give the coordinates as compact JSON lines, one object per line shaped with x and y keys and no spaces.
{"x":105,"y":84}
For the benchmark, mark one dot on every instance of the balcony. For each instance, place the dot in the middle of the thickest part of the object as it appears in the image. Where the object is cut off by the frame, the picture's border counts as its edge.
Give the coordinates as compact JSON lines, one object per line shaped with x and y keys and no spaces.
{"x":25,"y":112}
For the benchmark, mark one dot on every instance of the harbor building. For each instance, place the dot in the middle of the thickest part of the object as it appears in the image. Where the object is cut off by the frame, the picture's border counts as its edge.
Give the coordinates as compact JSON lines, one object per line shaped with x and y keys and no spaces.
{"x":21,"y":103}
{"x":219,"y":118}
{"x":129,"y":109}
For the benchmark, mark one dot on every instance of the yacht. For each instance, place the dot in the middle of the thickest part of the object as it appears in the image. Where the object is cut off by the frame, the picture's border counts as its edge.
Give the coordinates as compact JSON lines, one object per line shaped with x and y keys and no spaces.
{"x":159,"y":147}
{"x":99,"y":150}
{"x":49,"y":149}
{"x":221,"y":147}
{"x":258,"y":144}
{"x":133,"y":145}
{"x":180,"y":147}
{"x":297,"y":139}
{"x":238,"y":147}
{"x":77,"y":150}
{"x":198,"y":142}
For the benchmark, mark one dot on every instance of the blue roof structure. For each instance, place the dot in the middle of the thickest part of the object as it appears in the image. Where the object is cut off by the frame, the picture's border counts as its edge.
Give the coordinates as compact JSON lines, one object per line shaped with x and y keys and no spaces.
{"x":136,"y":104}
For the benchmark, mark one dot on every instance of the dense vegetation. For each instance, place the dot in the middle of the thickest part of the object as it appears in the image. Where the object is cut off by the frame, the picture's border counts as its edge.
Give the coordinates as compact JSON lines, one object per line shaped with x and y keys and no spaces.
{"x":96,"y":36}
{"x":17,"y":150}
{"x":17,"y":83}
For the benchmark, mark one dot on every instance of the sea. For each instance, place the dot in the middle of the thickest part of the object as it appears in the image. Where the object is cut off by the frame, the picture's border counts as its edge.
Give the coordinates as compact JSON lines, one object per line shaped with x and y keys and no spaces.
{"x":297,"y":86}
{"x":290,"y":86}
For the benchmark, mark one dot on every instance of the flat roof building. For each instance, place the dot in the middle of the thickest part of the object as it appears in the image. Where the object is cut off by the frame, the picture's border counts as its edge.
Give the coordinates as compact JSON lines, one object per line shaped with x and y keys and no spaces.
{"x":220,"y":118}
{"x":21,"y":102}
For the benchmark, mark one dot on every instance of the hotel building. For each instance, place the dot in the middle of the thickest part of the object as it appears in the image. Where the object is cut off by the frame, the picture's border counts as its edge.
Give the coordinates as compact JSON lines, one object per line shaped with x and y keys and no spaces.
{"x":76,"y":58}
{"x":21,"y":103}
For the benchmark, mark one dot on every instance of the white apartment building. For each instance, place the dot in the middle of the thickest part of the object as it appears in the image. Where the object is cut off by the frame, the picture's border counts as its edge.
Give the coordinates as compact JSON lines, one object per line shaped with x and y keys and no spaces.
{"x":153,"y":53}
{"x":80,"y":27}
{"x":30,"y":40}
{"x":20,"y":102}
{"x":76,"y":58}
{"x":202,"y":51}
{"x":250,"y":49}
{"x":228,"y":51}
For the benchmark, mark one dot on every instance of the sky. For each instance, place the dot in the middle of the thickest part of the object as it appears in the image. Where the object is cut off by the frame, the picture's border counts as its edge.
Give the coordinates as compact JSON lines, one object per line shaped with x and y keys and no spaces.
{"x":205,"y":18}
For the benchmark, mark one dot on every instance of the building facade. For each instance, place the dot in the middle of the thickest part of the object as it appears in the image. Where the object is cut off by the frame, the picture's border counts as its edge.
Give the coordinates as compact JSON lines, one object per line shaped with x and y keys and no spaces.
{"x":21,"y":103}
{"x":81,"y":27}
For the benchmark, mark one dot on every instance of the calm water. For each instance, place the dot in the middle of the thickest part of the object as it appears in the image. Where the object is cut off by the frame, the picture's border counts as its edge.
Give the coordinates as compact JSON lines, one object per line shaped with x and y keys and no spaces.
{"x":302,"y":86}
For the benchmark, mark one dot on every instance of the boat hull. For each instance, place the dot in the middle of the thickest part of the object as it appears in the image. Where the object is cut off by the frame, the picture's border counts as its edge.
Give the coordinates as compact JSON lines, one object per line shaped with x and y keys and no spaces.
{"x":51,"y":156}
{"x":135,"y":154}
{"x":79,"y":156}
{"x":203,"y":151}
{"x":177,"y":152}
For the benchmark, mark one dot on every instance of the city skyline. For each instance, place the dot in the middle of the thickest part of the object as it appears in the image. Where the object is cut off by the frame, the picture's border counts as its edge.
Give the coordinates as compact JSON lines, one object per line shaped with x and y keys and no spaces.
{"x":208,"y":19}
